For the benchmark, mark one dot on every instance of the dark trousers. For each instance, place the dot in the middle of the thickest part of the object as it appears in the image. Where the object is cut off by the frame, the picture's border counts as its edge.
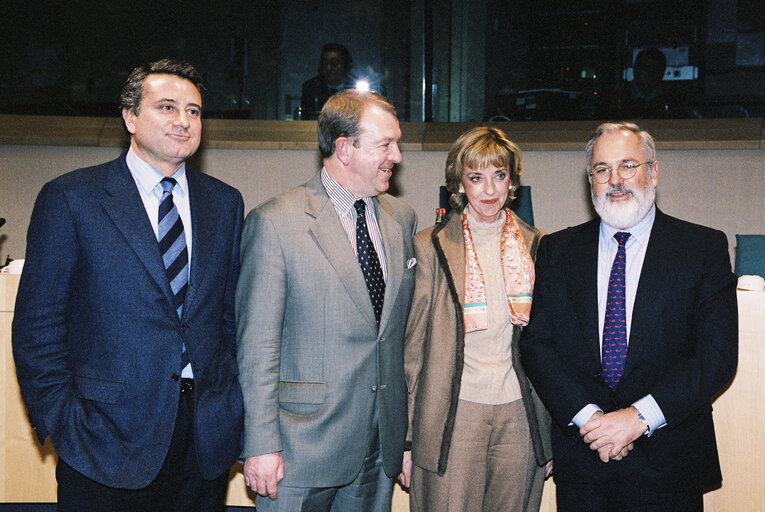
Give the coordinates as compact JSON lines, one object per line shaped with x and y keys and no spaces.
{"x":623,"y":496}
{"x":179,"y":486}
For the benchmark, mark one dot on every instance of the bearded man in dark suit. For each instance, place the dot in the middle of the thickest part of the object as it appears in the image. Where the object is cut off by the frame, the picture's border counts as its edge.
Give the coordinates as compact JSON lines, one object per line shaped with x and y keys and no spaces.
{"x":633,"y":330}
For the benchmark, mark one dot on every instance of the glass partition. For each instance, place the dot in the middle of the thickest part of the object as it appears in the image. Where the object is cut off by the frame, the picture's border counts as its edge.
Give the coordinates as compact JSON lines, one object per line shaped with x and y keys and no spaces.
{"x":436,"y":60}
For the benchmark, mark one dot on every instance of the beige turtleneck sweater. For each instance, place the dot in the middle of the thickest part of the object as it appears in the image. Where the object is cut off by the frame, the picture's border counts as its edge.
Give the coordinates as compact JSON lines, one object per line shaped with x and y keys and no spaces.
{"x":488,"y":376}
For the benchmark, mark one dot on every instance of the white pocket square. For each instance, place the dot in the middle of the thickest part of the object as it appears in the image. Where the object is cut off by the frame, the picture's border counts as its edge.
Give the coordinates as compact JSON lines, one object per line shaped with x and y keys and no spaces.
{"x":411,"y":263}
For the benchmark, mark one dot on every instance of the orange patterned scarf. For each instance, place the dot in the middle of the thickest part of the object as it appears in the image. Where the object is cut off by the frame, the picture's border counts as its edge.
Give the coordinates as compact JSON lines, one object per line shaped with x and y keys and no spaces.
{"x":517,"y":276}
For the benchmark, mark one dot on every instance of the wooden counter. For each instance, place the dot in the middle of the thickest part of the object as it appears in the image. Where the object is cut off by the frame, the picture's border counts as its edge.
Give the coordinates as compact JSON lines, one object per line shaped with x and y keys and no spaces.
{"x":27,"y":470}
{"x":739,"y":414}
{"x":254,"y":134}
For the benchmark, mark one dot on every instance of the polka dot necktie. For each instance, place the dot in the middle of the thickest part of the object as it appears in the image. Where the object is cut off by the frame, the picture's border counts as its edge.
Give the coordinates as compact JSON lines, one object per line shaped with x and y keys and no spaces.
{"x":172,"y":247}
{"x":615,"y":325}
{"x":368,"y":260}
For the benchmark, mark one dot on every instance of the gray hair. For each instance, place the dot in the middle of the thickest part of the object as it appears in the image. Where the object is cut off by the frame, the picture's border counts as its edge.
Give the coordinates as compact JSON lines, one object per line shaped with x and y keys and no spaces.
{"x":649,"y":147}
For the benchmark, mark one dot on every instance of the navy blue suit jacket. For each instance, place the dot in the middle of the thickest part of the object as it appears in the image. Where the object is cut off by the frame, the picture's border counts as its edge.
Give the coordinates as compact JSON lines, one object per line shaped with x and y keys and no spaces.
{"x":97,"y":342}
{"x":683,"y":349}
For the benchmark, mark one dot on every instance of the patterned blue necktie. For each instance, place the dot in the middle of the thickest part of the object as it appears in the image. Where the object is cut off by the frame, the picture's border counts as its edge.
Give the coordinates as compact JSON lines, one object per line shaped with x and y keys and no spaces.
{"x":172,"y":247}
{"x":615,"y":325}
{"x":368,"y":260}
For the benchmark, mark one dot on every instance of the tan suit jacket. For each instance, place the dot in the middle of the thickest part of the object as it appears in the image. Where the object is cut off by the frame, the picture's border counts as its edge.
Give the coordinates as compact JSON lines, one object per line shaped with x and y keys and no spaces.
{"x":435,"y":344}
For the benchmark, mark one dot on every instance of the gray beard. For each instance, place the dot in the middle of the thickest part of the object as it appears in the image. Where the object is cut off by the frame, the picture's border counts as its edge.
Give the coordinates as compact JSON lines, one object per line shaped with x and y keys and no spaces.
{"x":625,"y":214}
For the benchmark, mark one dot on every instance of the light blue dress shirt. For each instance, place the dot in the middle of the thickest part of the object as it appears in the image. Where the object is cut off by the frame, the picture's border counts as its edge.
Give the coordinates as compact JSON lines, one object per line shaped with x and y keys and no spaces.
{"x":147,"y":180}
{"x":635,"y":251}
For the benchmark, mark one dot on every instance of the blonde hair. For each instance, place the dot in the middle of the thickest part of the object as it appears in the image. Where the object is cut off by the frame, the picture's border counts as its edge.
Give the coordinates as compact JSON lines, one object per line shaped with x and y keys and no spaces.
{"x":478,"y":148}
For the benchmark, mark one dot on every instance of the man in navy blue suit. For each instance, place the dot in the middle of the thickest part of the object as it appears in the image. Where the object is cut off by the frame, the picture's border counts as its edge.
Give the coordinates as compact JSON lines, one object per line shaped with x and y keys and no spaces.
{"x":633,"y":330}
{"x":124,"y":337}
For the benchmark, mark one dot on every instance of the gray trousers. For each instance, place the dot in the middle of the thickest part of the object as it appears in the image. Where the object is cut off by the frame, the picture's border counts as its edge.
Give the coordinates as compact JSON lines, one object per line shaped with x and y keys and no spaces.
{"x":370,"y":491}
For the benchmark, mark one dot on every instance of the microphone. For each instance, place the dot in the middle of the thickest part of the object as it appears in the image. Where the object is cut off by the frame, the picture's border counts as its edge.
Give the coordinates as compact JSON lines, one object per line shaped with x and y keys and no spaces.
{"x":2,"y":221}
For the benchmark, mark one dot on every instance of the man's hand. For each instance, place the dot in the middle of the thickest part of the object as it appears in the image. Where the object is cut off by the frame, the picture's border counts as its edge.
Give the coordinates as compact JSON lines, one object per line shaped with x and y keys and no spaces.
{"x":604,"y":452}
{"x":405,"y":476}
{"x":613,"y":434}
{"x":263,"y":472}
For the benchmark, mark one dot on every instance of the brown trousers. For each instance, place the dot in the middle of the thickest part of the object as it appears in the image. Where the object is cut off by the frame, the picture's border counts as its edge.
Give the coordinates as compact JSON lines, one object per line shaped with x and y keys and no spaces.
{"x":491,"y":465}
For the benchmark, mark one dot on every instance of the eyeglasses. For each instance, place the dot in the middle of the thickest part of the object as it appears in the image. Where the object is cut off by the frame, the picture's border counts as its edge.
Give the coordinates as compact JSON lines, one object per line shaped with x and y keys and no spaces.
{"x":626,"y":170}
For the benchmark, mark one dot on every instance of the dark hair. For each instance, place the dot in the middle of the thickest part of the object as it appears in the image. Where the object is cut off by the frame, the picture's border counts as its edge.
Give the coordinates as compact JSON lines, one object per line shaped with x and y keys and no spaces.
{"x":342,"y":50}
{"x":341,"y":114}
{"x":477,"y":148}
{"x":651,"y":56}
{"x":132,"y":90}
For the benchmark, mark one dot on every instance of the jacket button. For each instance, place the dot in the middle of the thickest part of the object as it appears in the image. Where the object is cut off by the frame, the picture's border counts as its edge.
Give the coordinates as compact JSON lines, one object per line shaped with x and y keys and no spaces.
{"x":374,"y":388}
{"x":175,"y":377}
{"x":183,"y":328}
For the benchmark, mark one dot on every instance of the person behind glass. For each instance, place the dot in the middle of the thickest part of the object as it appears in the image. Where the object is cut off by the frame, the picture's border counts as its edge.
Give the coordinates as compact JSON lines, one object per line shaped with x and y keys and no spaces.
{"x":646,"y":97}
{"x":478,"y":436}
{"x":334,"y":67}
{"x":124,"y":337}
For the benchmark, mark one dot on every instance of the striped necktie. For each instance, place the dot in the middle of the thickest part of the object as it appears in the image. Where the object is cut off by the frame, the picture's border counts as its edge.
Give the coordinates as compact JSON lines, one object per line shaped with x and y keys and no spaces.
{"x":172,"y":247}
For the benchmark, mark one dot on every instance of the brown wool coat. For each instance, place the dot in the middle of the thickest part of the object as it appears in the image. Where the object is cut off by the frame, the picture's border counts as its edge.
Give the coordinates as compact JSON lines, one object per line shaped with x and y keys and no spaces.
{"x":435,"y":344}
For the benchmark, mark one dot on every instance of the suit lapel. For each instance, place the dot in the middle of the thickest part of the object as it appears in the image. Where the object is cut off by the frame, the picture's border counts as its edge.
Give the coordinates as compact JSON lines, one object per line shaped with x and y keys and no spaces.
{"x":658,"y":274}
{"x":122,"y":203}
{"x":332,"y":240}
{"x":204,"y":235}
{"x":392,"y":237}
{"x":452,"y":243}
{"x":582,"y":276}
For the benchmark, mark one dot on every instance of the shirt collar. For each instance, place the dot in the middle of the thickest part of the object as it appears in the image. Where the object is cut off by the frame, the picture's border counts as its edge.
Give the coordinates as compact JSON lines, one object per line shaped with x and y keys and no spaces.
{"x":148,"y":178}
{"x":638,"y":233}
{"x":340,"y":196}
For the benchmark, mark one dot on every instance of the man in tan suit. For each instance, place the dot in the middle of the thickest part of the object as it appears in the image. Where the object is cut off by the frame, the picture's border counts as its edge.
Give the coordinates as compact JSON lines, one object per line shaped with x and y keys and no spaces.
{"x":322,"y":302}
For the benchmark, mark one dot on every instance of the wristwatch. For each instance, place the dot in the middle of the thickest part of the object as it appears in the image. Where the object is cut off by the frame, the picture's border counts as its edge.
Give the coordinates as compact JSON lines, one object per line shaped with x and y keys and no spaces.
{"x":642,"y":420}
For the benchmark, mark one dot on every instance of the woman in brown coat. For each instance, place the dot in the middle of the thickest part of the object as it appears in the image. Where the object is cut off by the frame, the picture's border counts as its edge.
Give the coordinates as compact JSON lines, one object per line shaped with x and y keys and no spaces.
{"x":478,"y":435}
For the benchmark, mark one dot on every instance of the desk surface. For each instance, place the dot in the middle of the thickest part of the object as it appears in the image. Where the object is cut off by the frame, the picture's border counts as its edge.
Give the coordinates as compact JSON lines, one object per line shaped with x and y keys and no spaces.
{"x":27,"y":470}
